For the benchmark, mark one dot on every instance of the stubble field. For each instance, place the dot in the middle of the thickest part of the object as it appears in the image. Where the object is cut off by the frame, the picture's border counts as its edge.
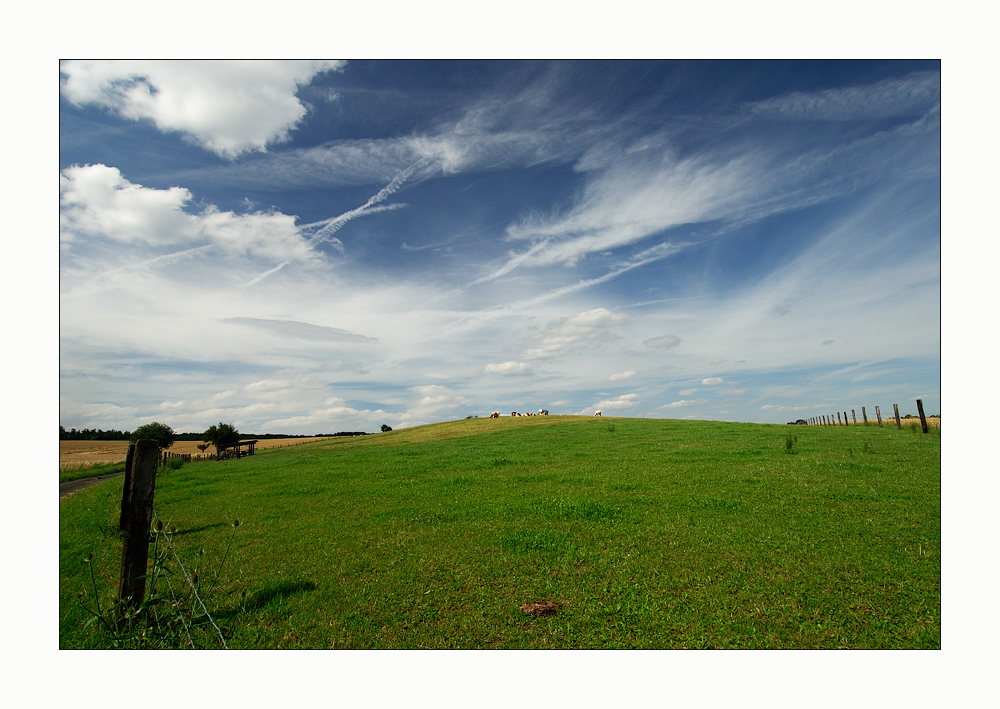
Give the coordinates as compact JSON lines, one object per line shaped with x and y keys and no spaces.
{"x":74,"y":454}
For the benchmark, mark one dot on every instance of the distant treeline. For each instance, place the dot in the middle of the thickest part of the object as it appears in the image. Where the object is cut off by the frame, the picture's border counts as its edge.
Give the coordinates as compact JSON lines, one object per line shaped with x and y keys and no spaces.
{"x":97,"y":434}
{"x":92,"y":434}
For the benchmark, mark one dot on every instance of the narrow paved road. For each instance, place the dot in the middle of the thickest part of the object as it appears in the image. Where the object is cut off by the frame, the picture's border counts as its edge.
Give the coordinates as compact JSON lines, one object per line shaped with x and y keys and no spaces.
{"x":72,"y":486}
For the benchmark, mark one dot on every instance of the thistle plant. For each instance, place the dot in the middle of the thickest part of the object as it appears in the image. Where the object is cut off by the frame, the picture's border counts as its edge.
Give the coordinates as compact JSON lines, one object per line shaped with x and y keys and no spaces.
{"x":166,"y":616}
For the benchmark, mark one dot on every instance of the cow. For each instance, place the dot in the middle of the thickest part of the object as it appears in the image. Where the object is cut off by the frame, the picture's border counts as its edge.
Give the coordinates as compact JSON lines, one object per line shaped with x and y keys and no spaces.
{"x":495,"y":415}
{"x":597,"y":413}
{"x":543,"y":412}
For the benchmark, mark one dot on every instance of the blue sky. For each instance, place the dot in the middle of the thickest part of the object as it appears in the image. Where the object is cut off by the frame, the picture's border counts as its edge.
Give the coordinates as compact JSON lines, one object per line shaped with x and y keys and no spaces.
{"x":309,"y":247}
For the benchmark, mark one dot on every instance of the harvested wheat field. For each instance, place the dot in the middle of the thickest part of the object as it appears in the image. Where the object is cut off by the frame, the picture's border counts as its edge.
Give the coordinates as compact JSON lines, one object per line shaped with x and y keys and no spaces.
{"x":77,"y":453}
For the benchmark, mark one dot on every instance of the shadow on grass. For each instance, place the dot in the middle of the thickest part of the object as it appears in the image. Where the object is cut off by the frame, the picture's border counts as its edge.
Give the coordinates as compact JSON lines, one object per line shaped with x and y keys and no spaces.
{"x":191,"y":530}
{"x":282,"y":590}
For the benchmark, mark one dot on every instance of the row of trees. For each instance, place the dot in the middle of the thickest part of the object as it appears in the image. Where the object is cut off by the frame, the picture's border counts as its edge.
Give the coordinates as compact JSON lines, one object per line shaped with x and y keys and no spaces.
{"x":97,"y":434}
{"x":218,"y":435}
{"x":92,"y":434}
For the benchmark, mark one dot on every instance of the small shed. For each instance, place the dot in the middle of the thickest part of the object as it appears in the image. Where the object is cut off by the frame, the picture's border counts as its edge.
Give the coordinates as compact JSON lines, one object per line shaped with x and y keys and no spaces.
{"x":236,"y":450}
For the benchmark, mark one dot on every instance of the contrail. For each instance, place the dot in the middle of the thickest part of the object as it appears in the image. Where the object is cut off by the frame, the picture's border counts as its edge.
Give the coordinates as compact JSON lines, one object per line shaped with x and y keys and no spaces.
{"x":330,"y":226}
{"x":265,"y":274}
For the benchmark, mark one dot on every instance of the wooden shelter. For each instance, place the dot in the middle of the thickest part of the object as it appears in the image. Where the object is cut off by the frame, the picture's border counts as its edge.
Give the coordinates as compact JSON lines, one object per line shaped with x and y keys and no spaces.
{"x":235,"y":450}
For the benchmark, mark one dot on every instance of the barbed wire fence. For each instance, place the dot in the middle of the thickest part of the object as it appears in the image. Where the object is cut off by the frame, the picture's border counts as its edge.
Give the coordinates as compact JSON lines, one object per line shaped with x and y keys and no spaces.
{"x":161,"y":533}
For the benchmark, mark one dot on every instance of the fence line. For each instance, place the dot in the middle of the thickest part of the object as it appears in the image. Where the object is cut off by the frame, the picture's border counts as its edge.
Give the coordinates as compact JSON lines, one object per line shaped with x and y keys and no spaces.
{"x":835,"y":419}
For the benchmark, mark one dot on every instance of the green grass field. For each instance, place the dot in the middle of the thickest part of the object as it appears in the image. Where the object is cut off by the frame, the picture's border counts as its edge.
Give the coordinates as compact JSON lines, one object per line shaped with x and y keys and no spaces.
{"x":648,"y":533}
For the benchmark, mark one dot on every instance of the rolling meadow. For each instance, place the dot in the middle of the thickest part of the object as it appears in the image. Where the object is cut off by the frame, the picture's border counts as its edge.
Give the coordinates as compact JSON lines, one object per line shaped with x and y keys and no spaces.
{"x":629,"y":533}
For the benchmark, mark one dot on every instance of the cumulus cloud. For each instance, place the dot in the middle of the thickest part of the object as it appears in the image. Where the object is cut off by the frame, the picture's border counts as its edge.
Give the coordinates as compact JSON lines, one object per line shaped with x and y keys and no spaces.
{"x":571,"y":334}
{"x":622,"y":375}
{"x":509,"y":369}
{"x":625,"y":401}
{"x":96,"y":201}
{"x":226,"y":107}
{"x":711,"y":381}
{"x":665,"y":342}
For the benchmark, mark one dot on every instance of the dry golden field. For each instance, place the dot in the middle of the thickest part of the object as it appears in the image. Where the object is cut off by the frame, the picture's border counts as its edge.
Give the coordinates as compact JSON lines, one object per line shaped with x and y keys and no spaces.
{"x":74,"y":453}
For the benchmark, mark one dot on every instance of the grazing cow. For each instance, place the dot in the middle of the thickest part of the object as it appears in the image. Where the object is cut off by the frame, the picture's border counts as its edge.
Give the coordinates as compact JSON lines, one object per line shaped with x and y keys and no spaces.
{"x":543,"y":412}
{"x":495,"y":415}
{"x":514,"y":413}
{"x":597,"y":413}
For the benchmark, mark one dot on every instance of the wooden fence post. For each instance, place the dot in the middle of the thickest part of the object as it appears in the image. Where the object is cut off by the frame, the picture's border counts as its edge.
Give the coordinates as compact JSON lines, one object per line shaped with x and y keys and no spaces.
{"x":854,"y":417}
{"x":127,"y":489}
{"x":923,"y":419}
{"x":845,"y":418}
{"x":135,"y":547}
{"x":838,"y":418}
{"x":864,"y":415}
{"x":878,"y":414}
{"x":895,"y":410}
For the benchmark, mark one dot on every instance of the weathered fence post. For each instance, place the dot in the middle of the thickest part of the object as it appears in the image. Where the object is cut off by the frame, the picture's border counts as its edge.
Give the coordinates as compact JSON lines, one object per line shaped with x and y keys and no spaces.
{"x":135,"y":547}
{"x":923,"y":419}
{"x":864,"y":415}
{"x":895,"y":410}
{"x":854,"y":417}
{"x":838,"y":418}
{"x":845,"y":418}
{"x":878,"y":414}
{"x":127,"y":489}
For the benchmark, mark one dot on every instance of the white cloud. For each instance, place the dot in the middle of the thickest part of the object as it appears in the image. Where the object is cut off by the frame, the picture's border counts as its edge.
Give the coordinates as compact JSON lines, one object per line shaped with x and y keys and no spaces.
{"x":509,"y":369}
{"x":301,"y":330}
{"x":630,"y":196}
{"x":434,"y":400}
{"x":96,"y":201}
{"x":227,"y":107}
{"x":683,"y":403}
{"x":622,"y":375}
{"x":571,"y":334}
{"x":711,"y":381}
{"x":907,"y":95}
{"x":625,"y":401}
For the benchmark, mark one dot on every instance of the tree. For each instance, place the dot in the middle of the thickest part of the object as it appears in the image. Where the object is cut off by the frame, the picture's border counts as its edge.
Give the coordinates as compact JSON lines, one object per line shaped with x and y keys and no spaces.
{"x":385,"y":428}
{"x":224,"y":434}
{"x":159,"y":432}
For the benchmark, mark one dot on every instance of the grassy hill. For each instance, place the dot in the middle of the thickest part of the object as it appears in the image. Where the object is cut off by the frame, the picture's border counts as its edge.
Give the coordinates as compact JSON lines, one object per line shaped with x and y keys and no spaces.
{"x":646,"y":533}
